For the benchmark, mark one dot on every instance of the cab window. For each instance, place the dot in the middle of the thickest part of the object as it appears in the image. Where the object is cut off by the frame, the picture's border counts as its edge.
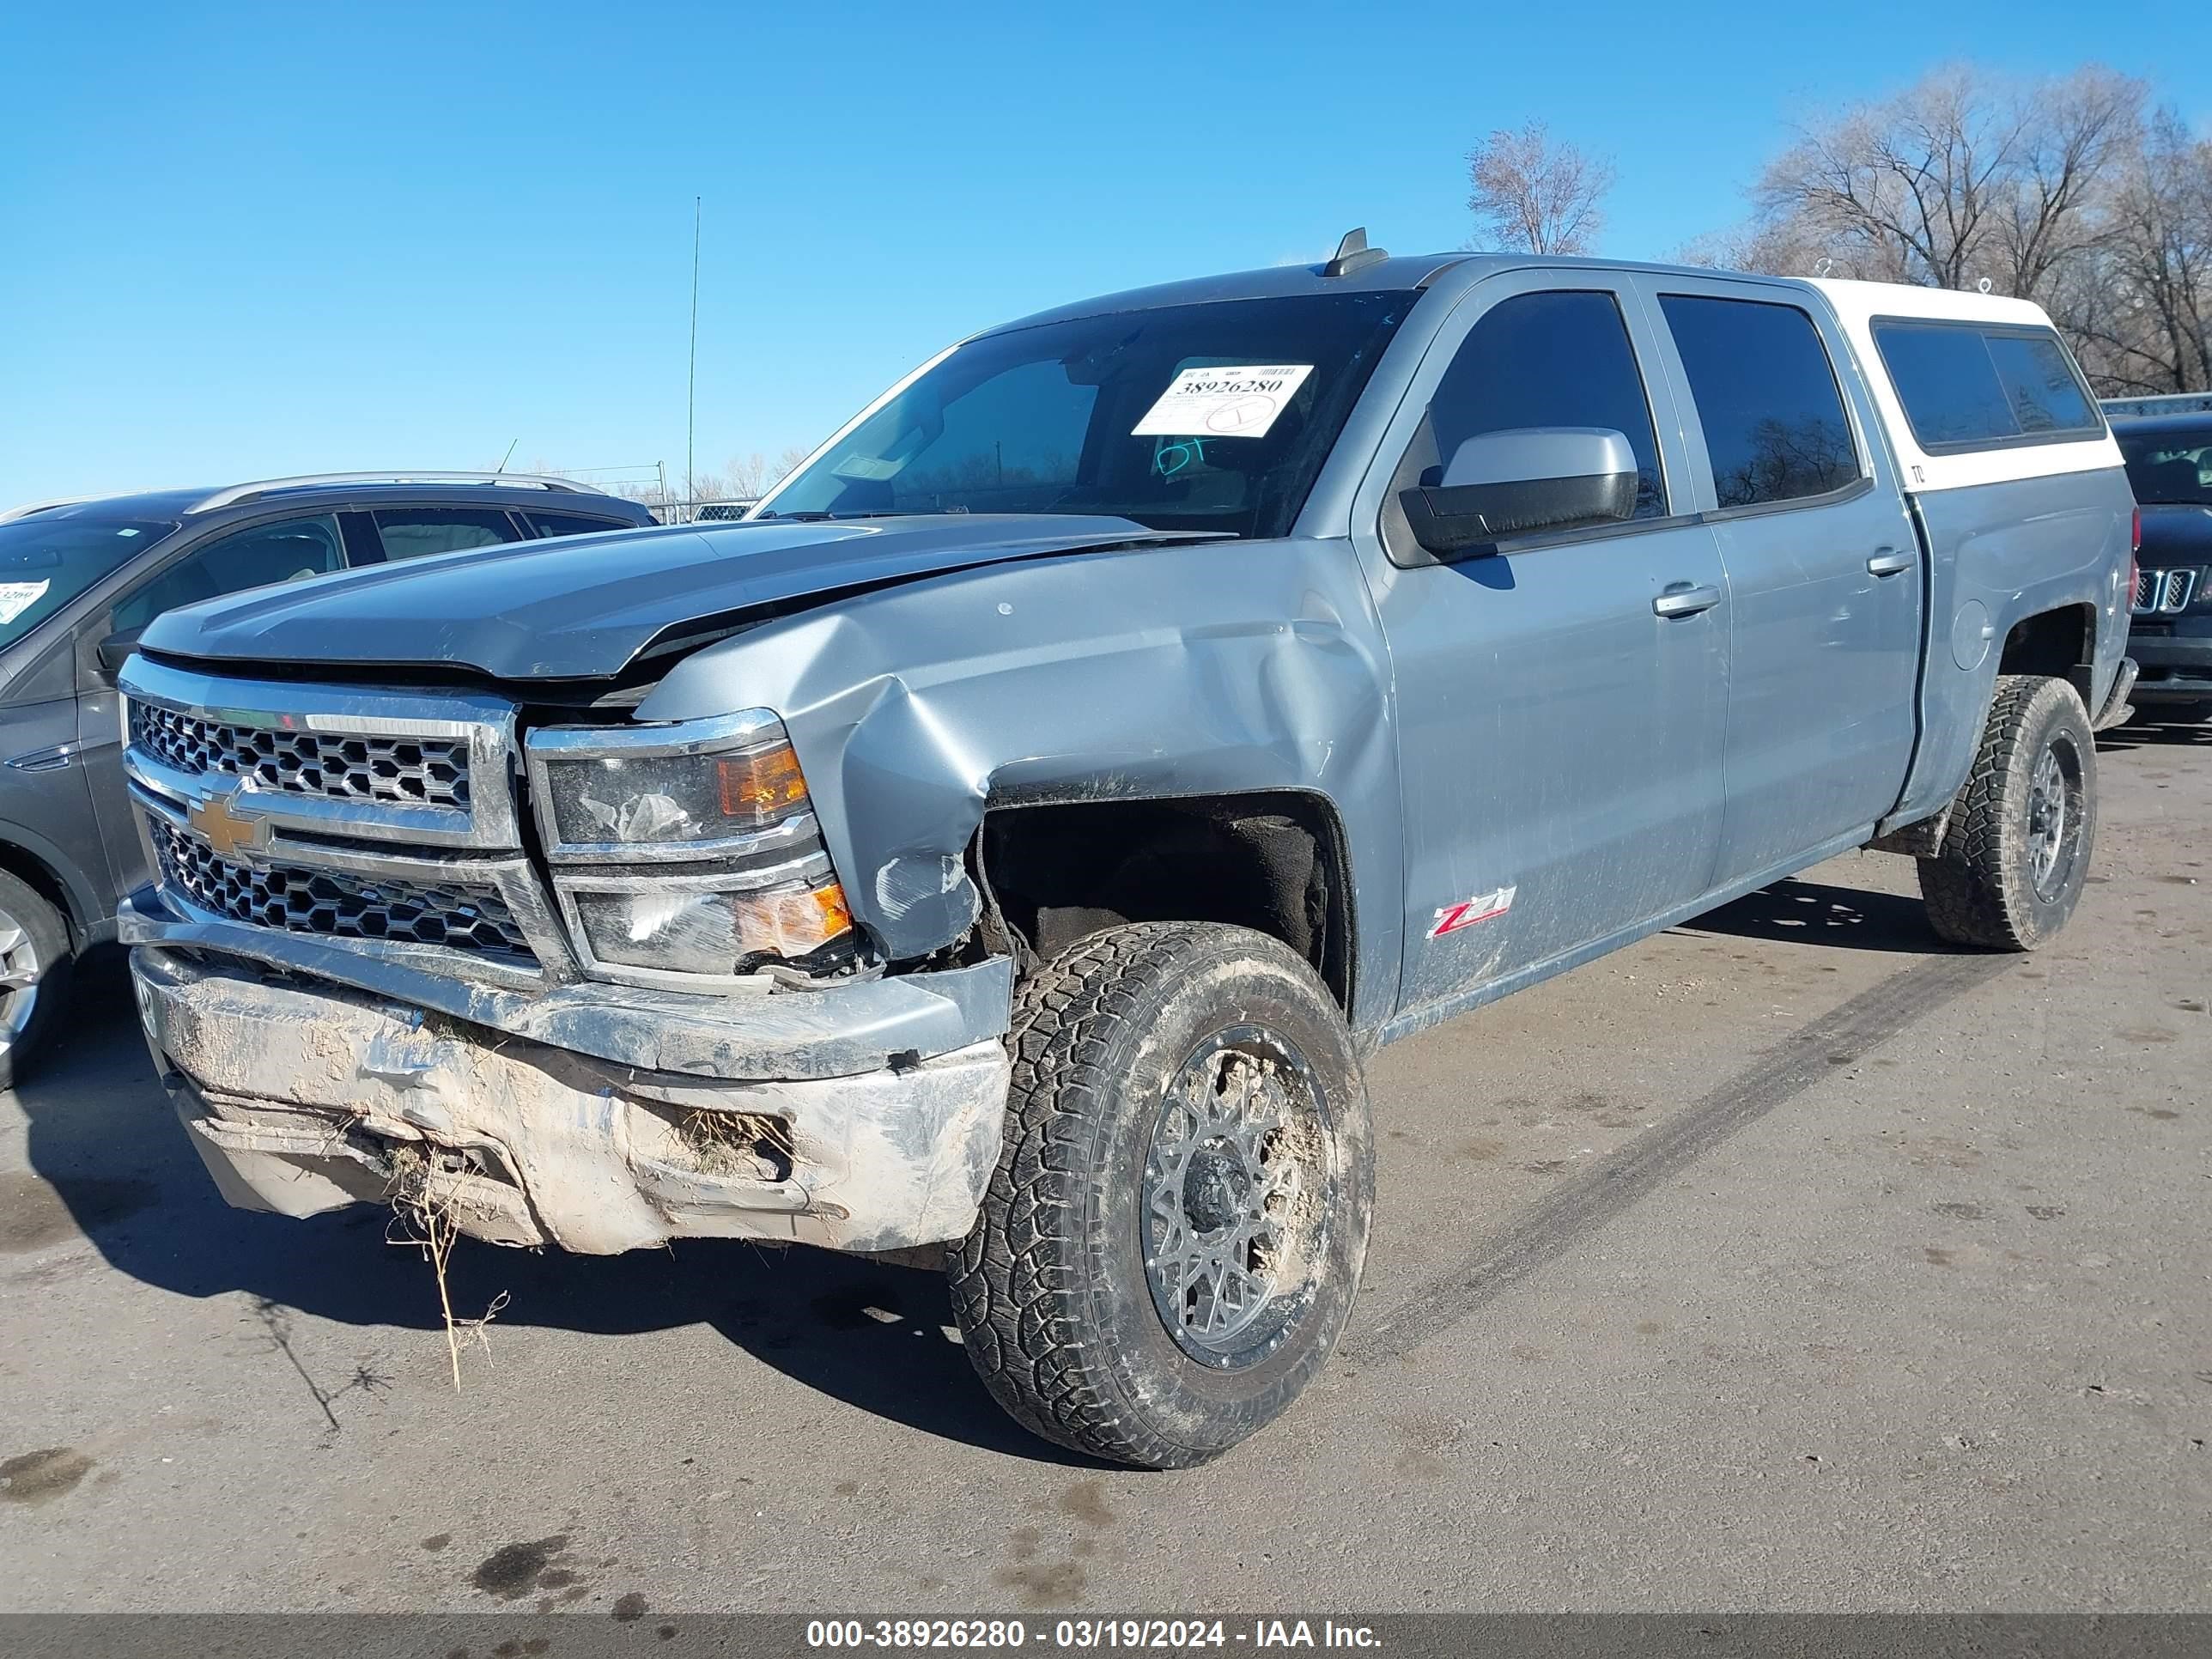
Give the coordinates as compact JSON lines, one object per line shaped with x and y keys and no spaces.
{"x":1766,"y":396}
{"x":1548,"y":359}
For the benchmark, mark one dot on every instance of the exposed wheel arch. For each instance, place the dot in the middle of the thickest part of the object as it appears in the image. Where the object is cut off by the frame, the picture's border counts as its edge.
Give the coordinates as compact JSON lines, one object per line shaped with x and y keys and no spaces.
{"x":1275,"y":861}
{"x":2056,"y":644}
{"x":49,"y":884}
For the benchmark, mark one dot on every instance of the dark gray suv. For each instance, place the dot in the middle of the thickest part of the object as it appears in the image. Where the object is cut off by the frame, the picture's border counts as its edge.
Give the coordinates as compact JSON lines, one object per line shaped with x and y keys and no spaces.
{"x":79,"y":581}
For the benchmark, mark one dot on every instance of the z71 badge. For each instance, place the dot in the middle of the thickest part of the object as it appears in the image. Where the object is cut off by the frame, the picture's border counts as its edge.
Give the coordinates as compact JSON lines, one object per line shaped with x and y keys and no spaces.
{"x":1481,"y":907}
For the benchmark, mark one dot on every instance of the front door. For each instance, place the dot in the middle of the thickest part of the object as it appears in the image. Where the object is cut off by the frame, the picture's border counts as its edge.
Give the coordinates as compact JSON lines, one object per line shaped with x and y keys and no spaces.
{"x":1560,"y":702}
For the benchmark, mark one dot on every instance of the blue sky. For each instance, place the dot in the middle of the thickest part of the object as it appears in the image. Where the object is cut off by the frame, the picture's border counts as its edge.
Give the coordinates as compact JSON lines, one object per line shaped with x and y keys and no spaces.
{"x":238,"y":241}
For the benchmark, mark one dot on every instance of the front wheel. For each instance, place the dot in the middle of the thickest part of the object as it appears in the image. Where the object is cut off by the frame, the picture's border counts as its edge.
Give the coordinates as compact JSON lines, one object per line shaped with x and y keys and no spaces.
{"x":2017,"y":849}
{"x":1171,"y":1241}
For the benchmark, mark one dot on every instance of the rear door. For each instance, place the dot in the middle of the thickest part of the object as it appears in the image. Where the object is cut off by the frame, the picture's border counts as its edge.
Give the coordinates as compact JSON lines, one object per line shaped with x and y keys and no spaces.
{"x":1824,"y":570}
{"x":1560,"y":702}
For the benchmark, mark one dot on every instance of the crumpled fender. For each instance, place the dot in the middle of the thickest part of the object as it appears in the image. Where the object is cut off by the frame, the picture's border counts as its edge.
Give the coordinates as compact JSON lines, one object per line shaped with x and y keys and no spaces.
{"x":1147,"y":673}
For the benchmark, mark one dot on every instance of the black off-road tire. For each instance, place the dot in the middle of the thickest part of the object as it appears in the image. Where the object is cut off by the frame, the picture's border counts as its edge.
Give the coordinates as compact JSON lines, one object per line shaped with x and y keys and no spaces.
{"x":1055,"y":1304}
{"x":40,"y":934}
{"x":1982,"y":889}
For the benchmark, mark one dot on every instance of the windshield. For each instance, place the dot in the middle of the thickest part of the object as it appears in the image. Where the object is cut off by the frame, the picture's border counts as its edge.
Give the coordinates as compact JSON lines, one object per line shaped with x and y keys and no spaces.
{"x":1209,"y":417}
{"x":44,"y":562}
{"x":2170,"y":468}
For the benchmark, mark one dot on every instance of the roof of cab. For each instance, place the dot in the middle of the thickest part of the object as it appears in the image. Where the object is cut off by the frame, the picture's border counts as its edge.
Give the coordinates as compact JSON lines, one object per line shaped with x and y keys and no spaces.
{"x":1385,"y":276}
{"x":1391,"y":274}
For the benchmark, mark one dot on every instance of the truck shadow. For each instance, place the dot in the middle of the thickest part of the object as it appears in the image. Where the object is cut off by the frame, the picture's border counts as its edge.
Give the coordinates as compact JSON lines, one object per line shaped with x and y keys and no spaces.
{"x":2148,"y":730}
{"x":1795,"y":912}
{"x":111,"y":1164}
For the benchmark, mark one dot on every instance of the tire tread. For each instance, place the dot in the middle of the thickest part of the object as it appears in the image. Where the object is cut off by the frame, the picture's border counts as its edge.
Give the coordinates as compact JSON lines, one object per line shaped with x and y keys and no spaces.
{"x":1025,"y":1285}
{"x":1968,"y":886}
{"x":1022,"y":1327}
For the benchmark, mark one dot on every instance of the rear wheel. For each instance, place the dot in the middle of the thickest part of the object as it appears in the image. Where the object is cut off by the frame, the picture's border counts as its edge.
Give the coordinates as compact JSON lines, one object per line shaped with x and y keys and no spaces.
{"x":1170,"y":1245}
{"x":34,"y":976}
{"x":2016,"y":851}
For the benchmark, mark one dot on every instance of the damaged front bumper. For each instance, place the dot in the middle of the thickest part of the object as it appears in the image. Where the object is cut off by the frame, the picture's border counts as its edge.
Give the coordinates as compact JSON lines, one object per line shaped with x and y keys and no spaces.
{"x":865,"y":1116}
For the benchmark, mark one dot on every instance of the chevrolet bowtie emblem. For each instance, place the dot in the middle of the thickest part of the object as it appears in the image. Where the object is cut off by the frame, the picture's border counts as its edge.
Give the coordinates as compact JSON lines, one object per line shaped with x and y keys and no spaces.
{"x":223,"y":828}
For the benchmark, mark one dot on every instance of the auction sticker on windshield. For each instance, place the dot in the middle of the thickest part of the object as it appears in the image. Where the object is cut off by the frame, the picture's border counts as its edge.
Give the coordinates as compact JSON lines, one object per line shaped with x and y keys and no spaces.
{"x":17,"y":597}
{"x":1237,"y":402}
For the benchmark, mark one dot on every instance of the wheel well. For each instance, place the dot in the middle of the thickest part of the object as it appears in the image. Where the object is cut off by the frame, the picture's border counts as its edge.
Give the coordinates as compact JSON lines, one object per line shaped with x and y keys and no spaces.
{"x":2053,"y":643}
{"x":1274,"y":862}
{"x":29,"y":869}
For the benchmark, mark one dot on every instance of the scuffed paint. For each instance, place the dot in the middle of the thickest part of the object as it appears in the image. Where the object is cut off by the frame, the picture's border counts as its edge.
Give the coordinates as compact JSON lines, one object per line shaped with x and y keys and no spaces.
{"x":295,"y":1099}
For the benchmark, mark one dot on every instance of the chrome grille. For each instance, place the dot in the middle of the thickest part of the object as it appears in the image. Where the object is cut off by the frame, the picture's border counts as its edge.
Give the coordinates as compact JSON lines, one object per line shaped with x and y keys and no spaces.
{"x":2164,"y":592}
{"x":402,"y":771}
{"x":301,"y":900}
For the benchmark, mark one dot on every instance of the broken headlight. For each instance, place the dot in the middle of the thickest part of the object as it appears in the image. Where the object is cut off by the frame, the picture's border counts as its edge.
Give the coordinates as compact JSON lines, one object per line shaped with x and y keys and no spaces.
{"x":721,"y":862}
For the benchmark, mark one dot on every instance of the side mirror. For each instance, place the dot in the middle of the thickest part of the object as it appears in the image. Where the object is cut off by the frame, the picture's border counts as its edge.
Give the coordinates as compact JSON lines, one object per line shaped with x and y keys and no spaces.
{"x":115,"y":650}
{"x":1516,"y":483}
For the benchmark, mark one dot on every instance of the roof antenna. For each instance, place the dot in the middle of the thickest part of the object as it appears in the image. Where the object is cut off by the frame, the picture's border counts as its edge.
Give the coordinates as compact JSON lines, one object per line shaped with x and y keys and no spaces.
{"x":1352,"y":254}
{"x":504,"y":459}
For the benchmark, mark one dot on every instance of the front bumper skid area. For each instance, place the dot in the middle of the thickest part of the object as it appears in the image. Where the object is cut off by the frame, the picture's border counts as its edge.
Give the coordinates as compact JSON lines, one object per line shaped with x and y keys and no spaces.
{"x":303,"y":1096}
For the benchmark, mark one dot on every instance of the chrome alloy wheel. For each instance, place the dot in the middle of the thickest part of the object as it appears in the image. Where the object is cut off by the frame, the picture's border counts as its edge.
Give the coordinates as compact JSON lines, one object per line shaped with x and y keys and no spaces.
{"x":2054,"y":816}
{"x":20,"y":969}
{"x":1236,"y":1202}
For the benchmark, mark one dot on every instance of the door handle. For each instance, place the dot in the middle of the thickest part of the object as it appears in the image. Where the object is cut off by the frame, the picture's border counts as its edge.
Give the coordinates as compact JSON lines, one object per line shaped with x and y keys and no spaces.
{"x":1681,"y":599}
{"x":47,"y":760}
{"x":1889,"y":561}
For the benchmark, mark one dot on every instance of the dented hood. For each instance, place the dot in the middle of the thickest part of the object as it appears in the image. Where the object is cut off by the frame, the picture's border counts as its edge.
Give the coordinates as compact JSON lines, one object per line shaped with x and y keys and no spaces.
{"x":583,"y":607}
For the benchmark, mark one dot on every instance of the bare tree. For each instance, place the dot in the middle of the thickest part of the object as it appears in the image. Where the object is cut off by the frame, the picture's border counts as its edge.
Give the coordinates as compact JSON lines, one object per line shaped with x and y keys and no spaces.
{"x":750,"y":476}
{"x":2080,"y":128}
{"x":2063,"y":190}
{"x":1963,"y":177}
{"x":1533,"y":195}
{"x":2141,"y":311}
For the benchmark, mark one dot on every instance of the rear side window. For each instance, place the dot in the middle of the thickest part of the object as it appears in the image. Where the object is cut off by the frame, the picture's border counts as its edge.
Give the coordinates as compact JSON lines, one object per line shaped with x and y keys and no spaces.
{"x":1766,"y":396}
{"x":575,"y":524}
{"x":411,"y":532}
{"x":1549,"y":359}
{"x":1974,"y":385}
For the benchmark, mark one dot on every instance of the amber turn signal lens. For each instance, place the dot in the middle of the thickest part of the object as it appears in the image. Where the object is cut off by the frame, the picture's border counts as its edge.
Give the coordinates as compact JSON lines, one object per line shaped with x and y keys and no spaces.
{"x":760,"y":784}
{"x":836,"y":915}
{"x":791,"y":924}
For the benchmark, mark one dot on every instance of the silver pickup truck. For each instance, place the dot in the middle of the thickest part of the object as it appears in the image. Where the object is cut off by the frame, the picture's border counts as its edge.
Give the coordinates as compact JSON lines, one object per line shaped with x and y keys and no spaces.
{"x":1011,"y":839}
